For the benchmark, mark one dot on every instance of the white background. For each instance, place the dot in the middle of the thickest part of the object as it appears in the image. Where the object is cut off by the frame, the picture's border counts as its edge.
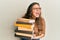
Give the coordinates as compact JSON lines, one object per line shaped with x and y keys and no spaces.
{"x":10,"y":10}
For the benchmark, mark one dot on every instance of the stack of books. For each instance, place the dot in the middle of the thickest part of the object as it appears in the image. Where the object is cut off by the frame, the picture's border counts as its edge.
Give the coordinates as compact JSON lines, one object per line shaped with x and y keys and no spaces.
{"x":24,"y":27}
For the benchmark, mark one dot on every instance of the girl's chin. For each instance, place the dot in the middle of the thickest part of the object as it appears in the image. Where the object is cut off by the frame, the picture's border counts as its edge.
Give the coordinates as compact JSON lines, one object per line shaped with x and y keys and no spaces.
{"x":37,"y":16}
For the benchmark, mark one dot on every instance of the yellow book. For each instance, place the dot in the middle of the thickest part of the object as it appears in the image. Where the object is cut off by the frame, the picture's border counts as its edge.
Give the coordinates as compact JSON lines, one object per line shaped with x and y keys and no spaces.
{"x":24,"y":26}
{"x":24,"y":29}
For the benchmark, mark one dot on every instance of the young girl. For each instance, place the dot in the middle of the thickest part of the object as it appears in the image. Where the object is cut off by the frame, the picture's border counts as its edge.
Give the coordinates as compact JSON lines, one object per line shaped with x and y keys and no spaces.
{"x":34,"y":12}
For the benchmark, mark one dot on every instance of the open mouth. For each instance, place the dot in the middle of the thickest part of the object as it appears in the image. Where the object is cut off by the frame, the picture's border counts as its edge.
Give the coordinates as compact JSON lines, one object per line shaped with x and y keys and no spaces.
{"x":37,"y":13}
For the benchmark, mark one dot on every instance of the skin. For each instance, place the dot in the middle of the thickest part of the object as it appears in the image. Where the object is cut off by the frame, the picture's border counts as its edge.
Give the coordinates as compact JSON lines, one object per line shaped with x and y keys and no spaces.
{"x":36,"y":10}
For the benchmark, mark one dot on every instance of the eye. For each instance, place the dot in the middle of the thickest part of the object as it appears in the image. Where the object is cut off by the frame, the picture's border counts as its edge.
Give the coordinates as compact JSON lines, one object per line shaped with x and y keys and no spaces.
{"x":36,"y":8}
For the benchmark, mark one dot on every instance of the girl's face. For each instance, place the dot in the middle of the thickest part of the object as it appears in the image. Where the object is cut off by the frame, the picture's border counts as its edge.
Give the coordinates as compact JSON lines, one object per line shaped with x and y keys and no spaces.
{"x":36,"y":10}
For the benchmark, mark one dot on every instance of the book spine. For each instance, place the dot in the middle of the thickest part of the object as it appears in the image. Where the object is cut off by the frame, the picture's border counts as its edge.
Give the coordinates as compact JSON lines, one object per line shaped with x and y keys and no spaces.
{"x":24,"y":26}
{"x":17,"y":22}
{"x":22,"y":35}
{"x":23,"y":31}
{"x":19,"y":28}
{"x":26,"y":20}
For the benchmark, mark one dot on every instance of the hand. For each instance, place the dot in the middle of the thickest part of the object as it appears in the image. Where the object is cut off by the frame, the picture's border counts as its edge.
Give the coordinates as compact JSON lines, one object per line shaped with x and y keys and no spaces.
{"x":40,"y":36}
{"x":35,"y":37}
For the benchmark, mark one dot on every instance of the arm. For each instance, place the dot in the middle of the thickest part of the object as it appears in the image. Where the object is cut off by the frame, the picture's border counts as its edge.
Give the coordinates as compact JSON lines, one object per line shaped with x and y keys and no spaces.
{"x":42,"y":34}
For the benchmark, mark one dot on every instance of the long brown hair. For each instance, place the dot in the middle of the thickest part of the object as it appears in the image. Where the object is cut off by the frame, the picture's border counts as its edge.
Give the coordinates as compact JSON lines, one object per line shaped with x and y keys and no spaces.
{"x":38,"y":20}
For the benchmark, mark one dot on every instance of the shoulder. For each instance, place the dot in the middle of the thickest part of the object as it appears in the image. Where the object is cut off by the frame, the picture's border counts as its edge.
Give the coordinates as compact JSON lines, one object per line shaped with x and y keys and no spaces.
{"x":43,"y":20}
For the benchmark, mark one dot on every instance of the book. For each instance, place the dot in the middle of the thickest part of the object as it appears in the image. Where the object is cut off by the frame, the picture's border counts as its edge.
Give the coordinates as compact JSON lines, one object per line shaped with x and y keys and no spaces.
{"x":28,"y":26}
{"x":22,"y":35}
{"x":24,"y":28}
{"x":23,"y":31}
{"x":26,"y":20}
